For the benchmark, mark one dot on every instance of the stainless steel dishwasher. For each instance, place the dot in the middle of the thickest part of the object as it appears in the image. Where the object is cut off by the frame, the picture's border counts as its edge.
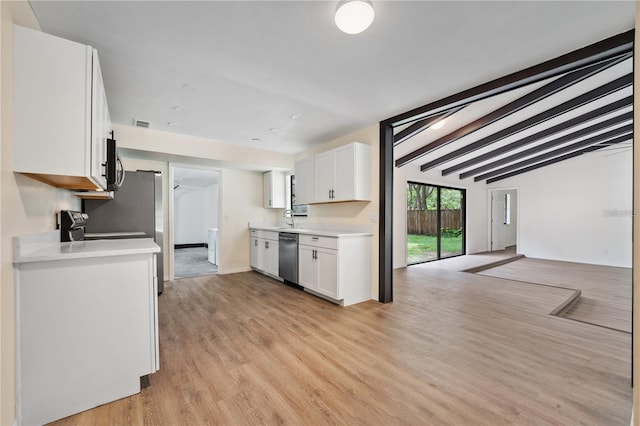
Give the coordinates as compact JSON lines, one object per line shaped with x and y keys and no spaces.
{"x":288,"y":257}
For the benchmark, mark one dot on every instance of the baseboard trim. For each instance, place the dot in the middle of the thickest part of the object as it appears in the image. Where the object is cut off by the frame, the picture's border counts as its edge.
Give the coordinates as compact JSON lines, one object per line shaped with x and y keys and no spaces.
{"x":237,"y":270}
{"x":195,"y":245}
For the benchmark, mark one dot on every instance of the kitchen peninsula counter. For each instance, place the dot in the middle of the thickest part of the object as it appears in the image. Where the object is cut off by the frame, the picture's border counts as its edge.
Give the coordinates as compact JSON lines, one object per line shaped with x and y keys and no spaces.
{"x":84,"y":309}
{"x":47,"y":247}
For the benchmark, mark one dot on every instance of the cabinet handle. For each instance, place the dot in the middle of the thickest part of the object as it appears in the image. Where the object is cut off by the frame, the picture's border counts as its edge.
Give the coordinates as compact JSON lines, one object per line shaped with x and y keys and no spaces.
{"x":314,"y":254}
{"x":269,"y":203}
{"x":332,"y":196}
{"x":105,"y":169}
{"x":314,"y":238}
{"x":266,"y":244}
{"x":256,"y":243}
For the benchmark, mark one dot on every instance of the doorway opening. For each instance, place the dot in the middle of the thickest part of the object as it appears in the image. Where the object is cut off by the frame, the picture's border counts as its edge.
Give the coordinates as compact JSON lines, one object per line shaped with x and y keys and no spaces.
{"x":435,"y":222}
{"x":503,"y":220}
{"x":195,"y":222}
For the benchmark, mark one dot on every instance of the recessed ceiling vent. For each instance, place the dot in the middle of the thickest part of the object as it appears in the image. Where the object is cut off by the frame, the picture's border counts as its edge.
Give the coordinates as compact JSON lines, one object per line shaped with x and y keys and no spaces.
{"x":141,"y":123}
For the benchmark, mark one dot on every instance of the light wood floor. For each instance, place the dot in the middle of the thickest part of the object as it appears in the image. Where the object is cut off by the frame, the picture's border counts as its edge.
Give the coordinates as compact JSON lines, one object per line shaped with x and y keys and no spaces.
{"x":606,"y":290}
{"x":452,"y":349}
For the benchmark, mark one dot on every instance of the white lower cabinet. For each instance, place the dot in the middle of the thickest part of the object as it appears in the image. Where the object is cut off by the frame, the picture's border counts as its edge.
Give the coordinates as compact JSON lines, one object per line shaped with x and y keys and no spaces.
{"x":336,"y":268}
{"x":319,"y":270}
{"x":264,"y":251}
{"x":86,"y":331}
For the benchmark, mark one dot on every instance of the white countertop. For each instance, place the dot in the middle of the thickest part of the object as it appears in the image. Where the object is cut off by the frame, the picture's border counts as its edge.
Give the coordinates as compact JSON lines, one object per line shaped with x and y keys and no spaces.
{"x":43,"y":248}
{"x":337,"y":233}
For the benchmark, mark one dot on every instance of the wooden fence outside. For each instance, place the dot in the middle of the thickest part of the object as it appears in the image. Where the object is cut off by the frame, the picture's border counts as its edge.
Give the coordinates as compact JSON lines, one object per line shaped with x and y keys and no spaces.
{"x":426,"y":221}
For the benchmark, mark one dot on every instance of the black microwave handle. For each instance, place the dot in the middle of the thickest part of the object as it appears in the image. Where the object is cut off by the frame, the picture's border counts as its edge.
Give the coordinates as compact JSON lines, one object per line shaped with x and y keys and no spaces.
{"x":122,"y":175}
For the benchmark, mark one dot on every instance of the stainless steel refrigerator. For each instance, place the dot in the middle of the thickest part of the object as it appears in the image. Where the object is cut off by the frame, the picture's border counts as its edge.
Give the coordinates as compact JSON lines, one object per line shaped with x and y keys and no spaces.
{"x":137,"y":207}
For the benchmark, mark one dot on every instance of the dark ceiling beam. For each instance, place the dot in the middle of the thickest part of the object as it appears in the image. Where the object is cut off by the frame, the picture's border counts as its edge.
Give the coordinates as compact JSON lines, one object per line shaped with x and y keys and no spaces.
{"x":625,"y":131}
{"x":559,"y":159}
{"x":547,"y":145}
{"x":519,"y":104}
{"x":565,"y":125}
{"x":421,"y":125}
{"x":605,"y":49}
{"x":604,"y":90}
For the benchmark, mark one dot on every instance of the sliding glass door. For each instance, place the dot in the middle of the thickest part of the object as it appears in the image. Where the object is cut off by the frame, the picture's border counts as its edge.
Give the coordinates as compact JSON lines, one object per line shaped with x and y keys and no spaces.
{"x":435,"y":222}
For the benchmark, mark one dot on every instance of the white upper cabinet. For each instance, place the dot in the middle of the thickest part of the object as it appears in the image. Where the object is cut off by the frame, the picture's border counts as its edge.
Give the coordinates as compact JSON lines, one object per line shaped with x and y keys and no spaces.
{"x":305,"y":181}
{"x":324,"y":177}
{"x":61,"y":117}
{"x":274,"y":190}
{"x":343,"y":174}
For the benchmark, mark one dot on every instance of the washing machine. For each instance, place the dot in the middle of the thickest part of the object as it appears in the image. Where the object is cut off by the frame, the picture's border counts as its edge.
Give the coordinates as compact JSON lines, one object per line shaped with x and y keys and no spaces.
{"x":212,"y":242}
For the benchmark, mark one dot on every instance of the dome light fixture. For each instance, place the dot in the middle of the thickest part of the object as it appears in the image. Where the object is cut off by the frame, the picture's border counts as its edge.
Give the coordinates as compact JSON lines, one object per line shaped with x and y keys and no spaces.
{"x":354,"y":16}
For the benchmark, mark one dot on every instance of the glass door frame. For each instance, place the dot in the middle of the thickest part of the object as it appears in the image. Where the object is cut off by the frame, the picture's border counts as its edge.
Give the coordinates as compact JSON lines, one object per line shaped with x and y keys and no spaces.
{"x":463,"y":222}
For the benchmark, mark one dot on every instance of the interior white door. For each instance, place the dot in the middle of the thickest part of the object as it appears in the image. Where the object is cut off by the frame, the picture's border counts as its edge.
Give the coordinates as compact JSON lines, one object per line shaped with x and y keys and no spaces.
{"x":497,"y":221}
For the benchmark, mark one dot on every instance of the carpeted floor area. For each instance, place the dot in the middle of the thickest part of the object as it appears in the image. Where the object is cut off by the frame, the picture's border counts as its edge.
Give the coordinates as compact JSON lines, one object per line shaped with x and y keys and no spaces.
{"x":192,"y":262}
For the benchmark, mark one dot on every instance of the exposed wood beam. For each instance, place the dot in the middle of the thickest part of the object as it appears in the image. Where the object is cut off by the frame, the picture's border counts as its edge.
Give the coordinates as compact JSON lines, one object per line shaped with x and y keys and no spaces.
{"x":522,"y":102}
{"x":625,"y":131}
{"x":421,"y":125}
{"x":565,"y":125}
{"x":559,"y":159}
{"x":538,"y":148}
{"x":565,"y":107}
{"x":605,"y":49}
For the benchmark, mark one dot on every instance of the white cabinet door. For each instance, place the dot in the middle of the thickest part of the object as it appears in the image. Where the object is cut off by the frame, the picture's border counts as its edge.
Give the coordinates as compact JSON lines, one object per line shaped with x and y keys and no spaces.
{"x":307,"y":267}
{"x":327,"y":272}
{"x":344,"y":173}
{"x":274,"y":190}
{"x":255,"y":252}
{"x":101,"y":126}
{"x":324,"y":173}
{"x":60,"y":112}
{"x":271,"y":258}
{"x":305,"y":181}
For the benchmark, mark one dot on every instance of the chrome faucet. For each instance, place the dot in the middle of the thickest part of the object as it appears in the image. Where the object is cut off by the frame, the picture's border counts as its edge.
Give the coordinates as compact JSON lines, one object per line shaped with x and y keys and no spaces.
{"x":288,"y":213}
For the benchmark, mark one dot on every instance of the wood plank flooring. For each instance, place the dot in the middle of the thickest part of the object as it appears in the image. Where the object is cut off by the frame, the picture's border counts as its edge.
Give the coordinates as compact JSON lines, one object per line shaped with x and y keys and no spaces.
{"x":606,"y":290}
{"x":452,"y":349}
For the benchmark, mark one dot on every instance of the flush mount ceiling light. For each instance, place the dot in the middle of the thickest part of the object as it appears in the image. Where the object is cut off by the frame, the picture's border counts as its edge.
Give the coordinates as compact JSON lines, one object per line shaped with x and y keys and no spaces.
{"x":354,"y":16}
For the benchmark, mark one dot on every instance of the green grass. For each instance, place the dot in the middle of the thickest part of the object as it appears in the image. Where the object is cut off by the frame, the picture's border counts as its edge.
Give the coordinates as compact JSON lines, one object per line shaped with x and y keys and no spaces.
{"x":423,"y":247}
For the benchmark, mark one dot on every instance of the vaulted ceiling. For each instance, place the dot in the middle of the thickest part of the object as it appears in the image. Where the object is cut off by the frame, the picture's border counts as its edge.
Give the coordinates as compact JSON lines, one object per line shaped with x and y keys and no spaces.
{"x":554,"y":119}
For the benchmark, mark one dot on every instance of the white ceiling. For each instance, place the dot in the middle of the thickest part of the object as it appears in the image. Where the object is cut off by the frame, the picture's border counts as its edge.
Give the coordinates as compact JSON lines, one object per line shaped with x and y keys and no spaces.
{"x":254,"y":64}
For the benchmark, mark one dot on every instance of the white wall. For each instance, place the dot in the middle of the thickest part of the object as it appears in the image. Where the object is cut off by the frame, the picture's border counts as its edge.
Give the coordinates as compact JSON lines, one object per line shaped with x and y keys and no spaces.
{"x":196,"y":210}
{"x":559,"y":213}
{"x":241,"y":202}
{"x":26,"y":206}
{"x":562,"y":209}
